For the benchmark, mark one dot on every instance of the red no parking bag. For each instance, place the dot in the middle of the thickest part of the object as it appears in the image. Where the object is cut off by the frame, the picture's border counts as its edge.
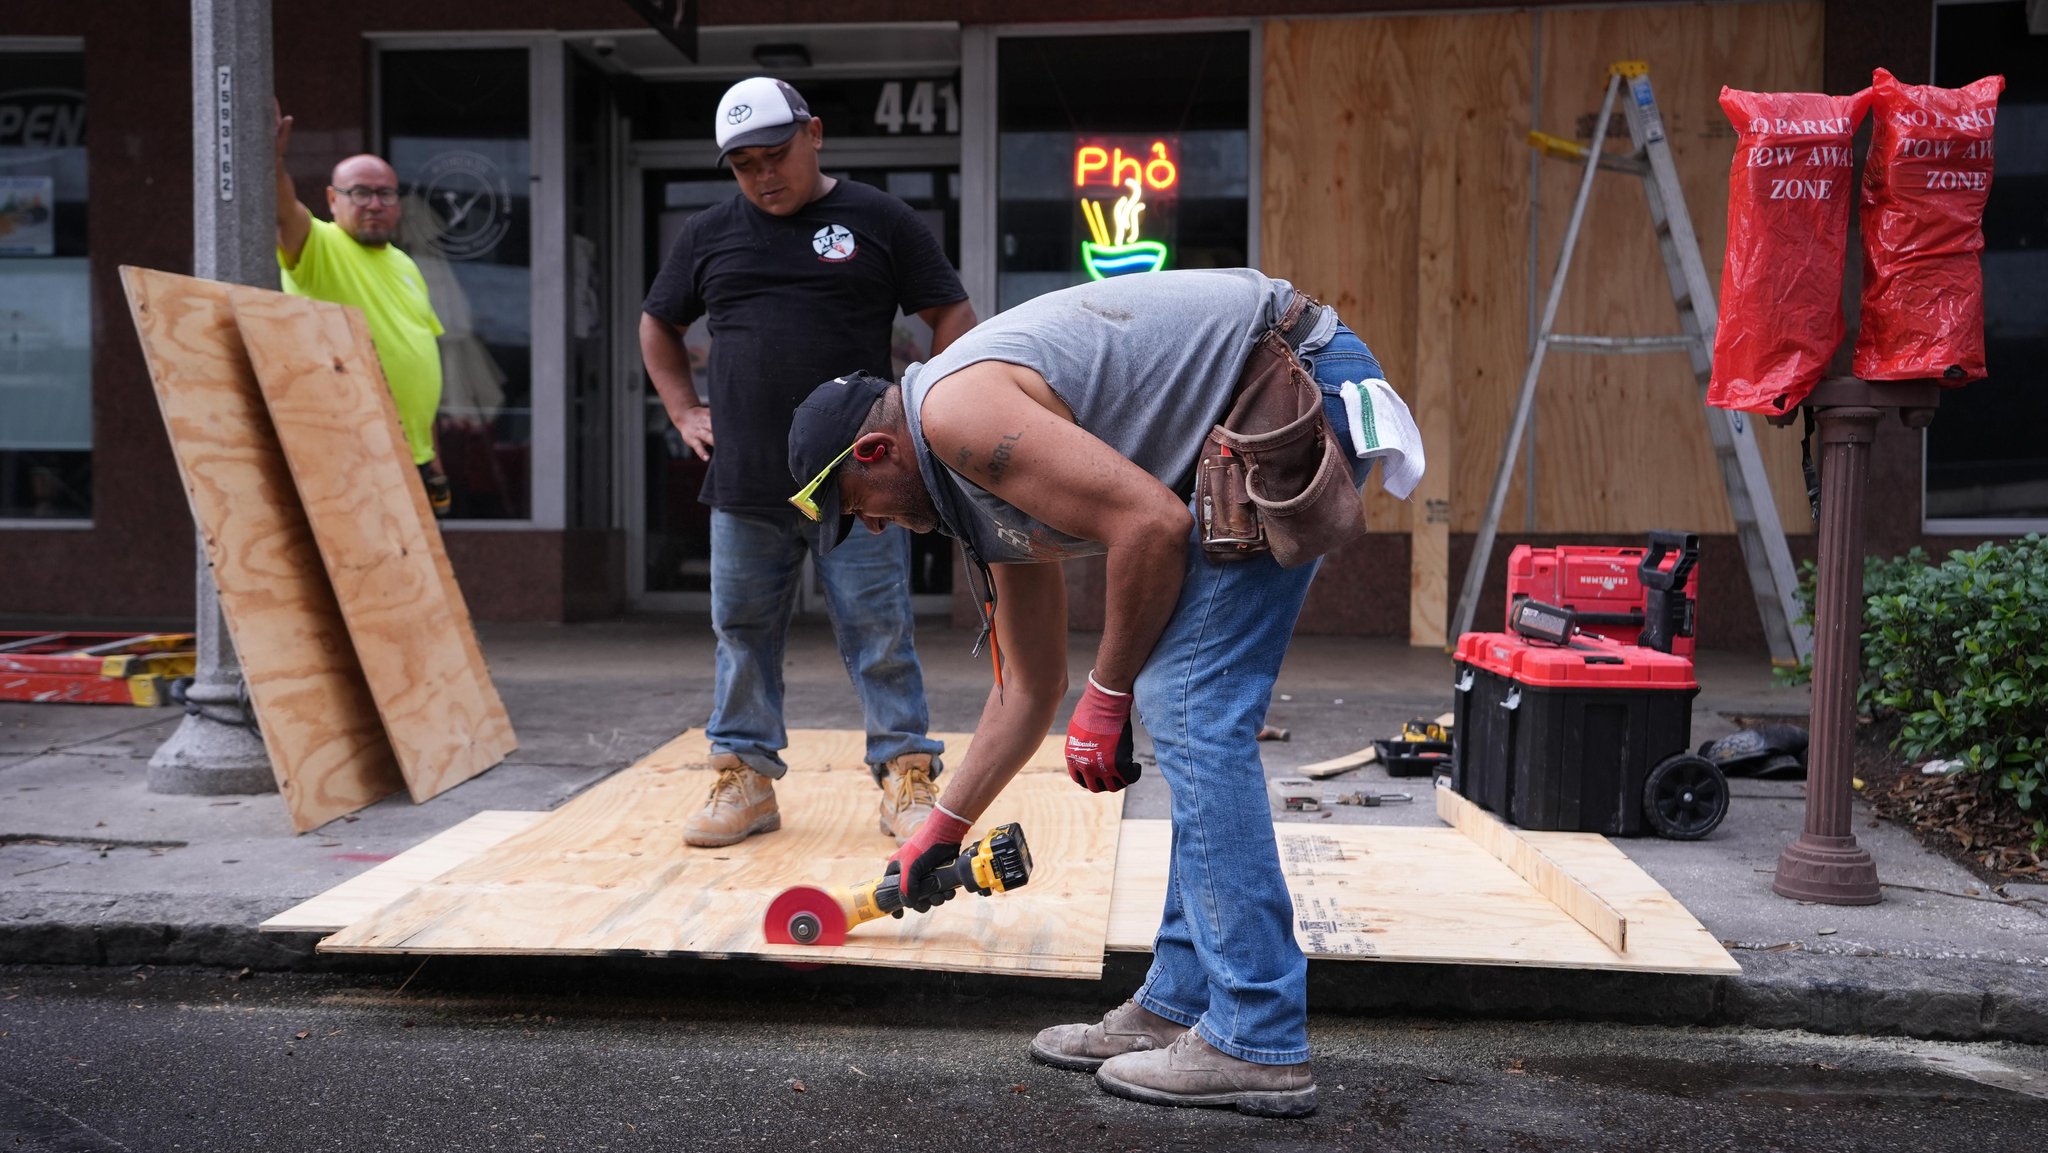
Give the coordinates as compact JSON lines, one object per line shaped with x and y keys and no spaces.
{"x":1924,"y":188}
{"x":1790,"y":190}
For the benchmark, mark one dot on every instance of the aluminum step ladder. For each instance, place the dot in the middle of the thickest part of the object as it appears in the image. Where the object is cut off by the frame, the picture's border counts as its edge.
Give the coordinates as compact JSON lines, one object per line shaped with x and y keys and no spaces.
{"x":1764,"y":552}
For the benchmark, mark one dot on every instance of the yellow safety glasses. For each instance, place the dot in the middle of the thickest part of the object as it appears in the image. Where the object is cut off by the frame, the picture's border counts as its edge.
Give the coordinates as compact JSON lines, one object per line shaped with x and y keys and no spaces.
{"x":806,"y":501}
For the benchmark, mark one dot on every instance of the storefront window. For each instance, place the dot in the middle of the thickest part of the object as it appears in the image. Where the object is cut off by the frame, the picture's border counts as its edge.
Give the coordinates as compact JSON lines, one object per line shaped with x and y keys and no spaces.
{"x":1986,"y":460}
{"x":456,"y":127}
{"x":45,"y":289}
{"x":1118,"y":155}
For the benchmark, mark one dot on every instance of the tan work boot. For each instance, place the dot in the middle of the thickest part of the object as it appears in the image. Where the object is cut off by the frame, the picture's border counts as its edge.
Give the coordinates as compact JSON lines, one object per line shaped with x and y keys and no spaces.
{"x":1193,"y":1072}
{"x":1128,"y":1028}
{"x":742,"y":803}
{"x":907,"y":794}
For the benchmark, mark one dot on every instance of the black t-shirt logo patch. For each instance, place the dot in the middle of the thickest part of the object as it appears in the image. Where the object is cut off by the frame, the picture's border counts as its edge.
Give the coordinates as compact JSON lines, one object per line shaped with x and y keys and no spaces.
{"x":833,"y":243}
{"x":738,"y":113}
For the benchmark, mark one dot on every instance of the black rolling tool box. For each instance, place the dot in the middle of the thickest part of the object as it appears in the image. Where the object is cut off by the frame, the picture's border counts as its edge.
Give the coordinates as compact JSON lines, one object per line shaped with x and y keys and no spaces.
{"x":1567,"y":736}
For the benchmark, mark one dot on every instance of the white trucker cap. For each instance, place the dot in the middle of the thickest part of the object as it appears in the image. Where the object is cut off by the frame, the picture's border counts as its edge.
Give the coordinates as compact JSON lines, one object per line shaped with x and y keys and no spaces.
{"x":756,"y":112}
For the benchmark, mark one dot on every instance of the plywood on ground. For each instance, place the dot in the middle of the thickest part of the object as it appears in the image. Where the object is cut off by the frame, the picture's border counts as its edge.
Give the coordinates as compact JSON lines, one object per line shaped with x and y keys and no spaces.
{"x":319,"y":724}
{"x":371,"y":890}
{"x":1527,"y":858}
{"x":1375,"y":892}
{"x":608,"y":873}
{"x":363,"y":498}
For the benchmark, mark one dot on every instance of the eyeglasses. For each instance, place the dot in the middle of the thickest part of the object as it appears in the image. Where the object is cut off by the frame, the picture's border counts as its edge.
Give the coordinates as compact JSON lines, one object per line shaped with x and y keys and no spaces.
{"x":806,"y":502}
{"x":361,"y":196}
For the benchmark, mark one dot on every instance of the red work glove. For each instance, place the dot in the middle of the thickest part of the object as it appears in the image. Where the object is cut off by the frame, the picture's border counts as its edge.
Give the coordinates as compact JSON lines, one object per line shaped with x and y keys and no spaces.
{"x":934,"y":845}
{"x":1099,"y":730}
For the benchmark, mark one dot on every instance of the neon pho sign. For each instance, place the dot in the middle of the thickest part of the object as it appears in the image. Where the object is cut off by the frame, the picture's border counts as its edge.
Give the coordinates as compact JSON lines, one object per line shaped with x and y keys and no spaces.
{"x":1129,"y":176}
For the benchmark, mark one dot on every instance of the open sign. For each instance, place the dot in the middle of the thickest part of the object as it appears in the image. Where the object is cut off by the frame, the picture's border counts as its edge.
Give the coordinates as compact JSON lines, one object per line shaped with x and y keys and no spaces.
{"x":42,"y":118}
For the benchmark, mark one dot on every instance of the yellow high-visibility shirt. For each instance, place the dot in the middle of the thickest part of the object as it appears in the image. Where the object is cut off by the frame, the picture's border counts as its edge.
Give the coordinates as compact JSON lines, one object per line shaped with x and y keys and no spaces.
{"x":387,"y":286}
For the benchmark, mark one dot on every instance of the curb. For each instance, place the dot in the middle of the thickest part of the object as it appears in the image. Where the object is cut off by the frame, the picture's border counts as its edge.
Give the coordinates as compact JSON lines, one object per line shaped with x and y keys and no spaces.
{"x":1944,"y":1000}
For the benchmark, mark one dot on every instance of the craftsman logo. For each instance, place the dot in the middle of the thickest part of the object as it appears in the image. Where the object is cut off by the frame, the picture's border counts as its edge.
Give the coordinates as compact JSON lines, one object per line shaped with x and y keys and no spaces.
{"x":834,"y":243}
{"x":739,"y":113}
{"x":470,"y":203}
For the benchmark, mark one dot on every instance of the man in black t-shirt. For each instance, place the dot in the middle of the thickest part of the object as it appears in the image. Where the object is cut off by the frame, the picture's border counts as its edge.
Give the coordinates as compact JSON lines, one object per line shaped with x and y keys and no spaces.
{"x":801,"y":277}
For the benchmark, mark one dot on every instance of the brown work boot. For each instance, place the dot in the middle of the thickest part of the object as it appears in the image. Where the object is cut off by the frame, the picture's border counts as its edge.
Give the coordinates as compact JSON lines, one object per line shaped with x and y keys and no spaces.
{"x":1192,"y":1072}
{"x":907,"y":794}
{"x":1128,"y":1028}
{"x":742,"y":803}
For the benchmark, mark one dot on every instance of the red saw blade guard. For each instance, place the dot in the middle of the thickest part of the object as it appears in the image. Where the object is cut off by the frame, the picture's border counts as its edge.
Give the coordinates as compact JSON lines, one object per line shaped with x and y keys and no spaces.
{"x":805,"y":916}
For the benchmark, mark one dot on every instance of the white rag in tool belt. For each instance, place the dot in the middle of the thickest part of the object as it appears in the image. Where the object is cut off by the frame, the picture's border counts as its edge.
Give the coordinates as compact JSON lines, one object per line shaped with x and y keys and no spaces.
{"x":1382,"y":429}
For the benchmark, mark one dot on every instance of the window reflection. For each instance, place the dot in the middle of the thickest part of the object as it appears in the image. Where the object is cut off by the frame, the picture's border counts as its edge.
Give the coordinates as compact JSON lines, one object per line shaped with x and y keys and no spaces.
{"x":456,"y":128}
{"x":45,"y":289}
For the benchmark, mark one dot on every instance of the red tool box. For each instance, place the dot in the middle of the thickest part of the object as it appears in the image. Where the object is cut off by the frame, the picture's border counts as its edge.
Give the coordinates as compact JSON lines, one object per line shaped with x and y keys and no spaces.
{"x":1605,"y":587}
{"x":1589,"y":735}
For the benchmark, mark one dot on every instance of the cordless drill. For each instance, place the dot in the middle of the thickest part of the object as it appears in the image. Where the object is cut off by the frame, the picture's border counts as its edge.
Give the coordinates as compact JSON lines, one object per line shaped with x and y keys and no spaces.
{"x":999,"y":862}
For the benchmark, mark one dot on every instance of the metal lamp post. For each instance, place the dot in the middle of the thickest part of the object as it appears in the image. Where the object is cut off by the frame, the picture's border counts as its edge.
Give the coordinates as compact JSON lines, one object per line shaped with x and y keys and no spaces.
{"x":216,"y":748}
{"x":1825,"y":864}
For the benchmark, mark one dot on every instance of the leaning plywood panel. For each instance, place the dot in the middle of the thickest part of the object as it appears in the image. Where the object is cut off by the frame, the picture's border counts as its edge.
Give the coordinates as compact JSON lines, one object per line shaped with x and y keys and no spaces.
{"x":319,"y":724}
{"x":608,"y":872}
{"x":1374,"y":892}
{"x":368,"y":512}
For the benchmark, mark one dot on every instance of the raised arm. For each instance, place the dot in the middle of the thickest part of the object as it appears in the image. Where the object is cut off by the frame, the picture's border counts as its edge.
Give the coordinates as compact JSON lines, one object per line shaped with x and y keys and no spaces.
{"x":294,"y":223}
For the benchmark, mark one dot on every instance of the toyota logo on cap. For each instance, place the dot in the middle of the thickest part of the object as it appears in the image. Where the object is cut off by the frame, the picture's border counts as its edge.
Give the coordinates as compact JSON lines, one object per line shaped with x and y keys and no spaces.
{"x":738,"y":113}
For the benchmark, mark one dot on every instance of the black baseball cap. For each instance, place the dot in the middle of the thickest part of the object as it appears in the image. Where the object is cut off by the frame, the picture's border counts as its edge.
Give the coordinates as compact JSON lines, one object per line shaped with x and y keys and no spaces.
{"x":822,"y":434}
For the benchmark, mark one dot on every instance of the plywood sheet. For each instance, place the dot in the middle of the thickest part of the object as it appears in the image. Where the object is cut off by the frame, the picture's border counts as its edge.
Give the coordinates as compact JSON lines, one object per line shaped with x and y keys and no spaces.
{"x":1527,"y":858}
{"x":371,"y":890}
{"x":319,"y":724}
{"x":1371,"y":128}
{"x":608,"y":872}
{"x":1621,"y":444}
{"x":381,"y":549}
{"x":1369,"y":123}
{"x":1374,"y":892}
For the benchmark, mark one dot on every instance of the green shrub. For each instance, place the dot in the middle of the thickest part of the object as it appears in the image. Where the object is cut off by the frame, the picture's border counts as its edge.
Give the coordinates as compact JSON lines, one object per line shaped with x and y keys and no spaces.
{"x":1957,"y":652}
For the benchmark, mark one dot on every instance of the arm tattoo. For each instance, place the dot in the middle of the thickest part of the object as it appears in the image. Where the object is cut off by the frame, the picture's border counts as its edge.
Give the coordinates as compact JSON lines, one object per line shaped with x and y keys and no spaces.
{"x":964,"y":456}
{"x":999,"y":457}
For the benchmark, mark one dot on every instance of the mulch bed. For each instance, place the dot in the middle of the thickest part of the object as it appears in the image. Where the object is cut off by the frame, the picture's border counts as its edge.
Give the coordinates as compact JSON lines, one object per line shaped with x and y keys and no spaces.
{"x":1964,"y":816}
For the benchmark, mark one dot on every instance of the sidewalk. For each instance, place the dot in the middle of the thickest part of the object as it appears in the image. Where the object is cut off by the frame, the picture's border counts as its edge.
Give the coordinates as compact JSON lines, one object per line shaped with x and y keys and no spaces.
{"x":94,"y":869}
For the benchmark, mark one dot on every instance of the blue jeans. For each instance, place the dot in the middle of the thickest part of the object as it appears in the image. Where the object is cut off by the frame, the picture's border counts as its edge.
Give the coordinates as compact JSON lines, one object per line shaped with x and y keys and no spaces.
{"x":1225,"y":961}
{"x":756,"y":563}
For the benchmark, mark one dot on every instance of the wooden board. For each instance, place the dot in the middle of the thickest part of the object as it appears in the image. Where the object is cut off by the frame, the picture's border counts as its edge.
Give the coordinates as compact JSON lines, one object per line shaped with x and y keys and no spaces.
{"x":319,"y":724}
{"x":1351,"y":109}
{"x":382,"y":551}
{"x":608,"y":872}
{"x":371,"y":890}
{"x":1357,"y":165}
{"x":1533,"y":865}
{"x":1436,"y":253}
{"x":1387,"y":893}
{"x":1621,"y":444}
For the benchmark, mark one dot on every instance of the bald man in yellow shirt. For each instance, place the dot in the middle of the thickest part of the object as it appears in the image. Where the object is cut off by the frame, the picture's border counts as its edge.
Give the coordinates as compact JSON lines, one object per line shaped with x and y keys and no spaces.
{"x":352,"y":261}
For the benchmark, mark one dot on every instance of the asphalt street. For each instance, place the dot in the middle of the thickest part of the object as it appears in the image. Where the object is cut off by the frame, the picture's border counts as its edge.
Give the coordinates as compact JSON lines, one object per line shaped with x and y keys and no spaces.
{"x":166,"y":1059}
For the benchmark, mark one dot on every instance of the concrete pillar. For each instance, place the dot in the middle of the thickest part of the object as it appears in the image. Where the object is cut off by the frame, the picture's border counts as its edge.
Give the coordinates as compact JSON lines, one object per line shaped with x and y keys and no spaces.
{"x":216,"y":749}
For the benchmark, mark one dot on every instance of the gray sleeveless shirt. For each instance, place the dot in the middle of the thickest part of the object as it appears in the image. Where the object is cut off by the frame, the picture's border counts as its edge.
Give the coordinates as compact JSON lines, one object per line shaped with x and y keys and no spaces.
{"x":1147,"y":364}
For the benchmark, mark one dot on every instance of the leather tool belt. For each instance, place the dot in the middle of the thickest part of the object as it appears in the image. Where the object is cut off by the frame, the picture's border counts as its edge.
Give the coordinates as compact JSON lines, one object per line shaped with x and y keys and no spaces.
{"x":1274,"y":475}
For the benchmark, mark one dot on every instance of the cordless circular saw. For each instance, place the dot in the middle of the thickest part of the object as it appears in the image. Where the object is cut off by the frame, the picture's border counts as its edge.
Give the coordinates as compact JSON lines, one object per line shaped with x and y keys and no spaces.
{"x":805,"y":915}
